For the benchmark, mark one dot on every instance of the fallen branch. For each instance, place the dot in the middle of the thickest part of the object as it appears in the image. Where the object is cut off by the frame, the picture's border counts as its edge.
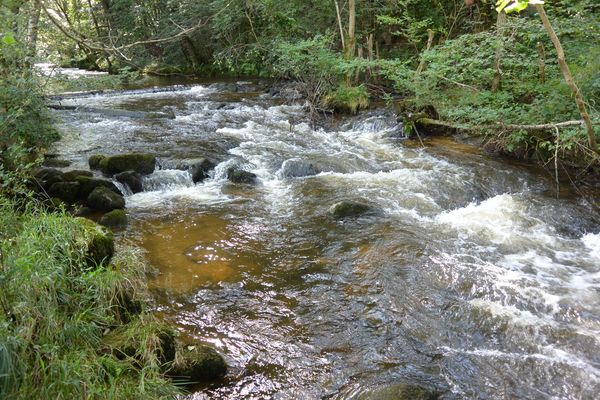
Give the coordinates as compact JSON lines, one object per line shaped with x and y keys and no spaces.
{"x":506,"y":127}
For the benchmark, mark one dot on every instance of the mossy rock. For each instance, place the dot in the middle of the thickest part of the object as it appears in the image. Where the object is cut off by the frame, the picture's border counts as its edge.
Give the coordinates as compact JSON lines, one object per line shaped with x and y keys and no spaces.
{"x":66,"y":191}
{"x":132,"y":179}
{"x":145,"y":340}
{"x":55,"y":163}
{"x":237,"y":175}
{"x":104,"y":199}
{"x":139,"y":162}
{"x":100,"y":244}
{"x":87,"y":186}
{"x":198,"y":363}
{"x":349,"y":209}
{"x":95,"y":160}
{"x":46,"y":177}
{"x":114,"y":219}
{"x":71,"y":176}
{"x":347,"y":99}
{"x":401,"y":391}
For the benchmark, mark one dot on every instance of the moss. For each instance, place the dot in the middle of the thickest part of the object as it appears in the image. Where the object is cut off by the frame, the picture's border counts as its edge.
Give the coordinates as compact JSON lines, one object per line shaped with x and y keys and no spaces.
{"x":114,"y":219}
{"x":66,"y":191}
{"x":87,"y":185}
{"x":198,"y":364}
{"x":139,"y":162}
{"x":104,"y":199}
{"x":347,"y":99}
{"x":95,"y":160}
{"x":70,"y":176}
{"x":100,"y":244}
{"x":145,"y":340}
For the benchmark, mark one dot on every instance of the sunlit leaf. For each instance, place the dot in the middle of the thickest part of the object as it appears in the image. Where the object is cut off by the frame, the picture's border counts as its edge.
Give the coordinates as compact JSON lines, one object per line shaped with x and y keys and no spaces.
{"x":8,"y":39}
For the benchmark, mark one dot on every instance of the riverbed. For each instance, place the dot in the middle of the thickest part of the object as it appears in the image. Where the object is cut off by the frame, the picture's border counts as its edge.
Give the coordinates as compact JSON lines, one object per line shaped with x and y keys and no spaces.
{"x":472,"y":279}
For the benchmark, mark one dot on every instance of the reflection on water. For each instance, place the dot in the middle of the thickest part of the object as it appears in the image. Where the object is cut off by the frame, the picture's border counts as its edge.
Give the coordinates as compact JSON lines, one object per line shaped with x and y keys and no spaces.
{"x":471,"y":279}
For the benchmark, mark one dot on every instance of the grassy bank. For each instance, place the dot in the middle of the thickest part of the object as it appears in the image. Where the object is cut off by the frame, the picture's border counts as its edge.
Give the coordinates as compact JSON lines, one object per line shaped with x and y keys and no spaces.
{"x":61,"y":296}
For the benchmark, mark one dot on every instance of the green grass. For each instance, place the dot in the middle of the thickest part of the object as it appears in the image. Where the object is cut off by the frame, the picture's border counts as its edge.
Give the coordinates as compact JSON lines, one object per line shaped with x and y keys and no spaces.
{"x":57,"y":310}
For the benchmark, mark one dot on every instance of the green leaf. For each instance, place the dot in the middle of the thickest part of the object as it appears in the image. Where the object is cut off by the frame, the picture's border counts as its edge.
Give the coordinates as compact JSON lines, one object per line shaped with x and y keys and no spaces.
{"x":9,"y":39}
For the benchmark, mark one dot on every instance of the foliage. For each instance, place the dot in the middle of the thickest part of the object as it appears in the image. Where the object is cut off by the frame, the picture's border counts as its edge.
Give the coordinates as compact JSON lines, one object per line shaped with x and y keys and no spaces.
{"x":53,"y":318}
{"x":347,"y":99}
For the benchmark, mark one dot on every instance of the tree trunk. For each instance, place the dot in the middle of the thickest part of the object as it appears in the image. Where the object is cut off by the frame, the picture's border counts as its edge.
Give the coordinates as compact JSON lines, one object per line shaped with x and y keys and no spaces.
{"x":32,"y":29}
{"x":430,"y":36}
{"x":339,"y":20}
{"x":351,"y":40}
{"x":564,"y":67}
{"x":542,"y":62}
{"x":500,"y":22}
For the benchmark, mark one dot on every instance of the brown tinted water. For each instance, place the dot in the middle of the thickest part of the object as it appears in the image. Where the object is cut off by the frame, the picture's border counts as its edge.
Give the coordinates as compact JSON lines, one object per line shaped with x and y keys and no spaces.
{"x":470,"y":278}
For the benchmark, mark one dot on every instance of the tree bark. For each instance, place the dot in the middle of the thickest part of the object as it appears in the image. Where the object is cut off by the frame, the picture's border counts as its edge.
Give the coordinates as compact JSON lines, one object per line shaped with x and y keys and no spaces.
{"x":430,"y":36}
{"x":351,"y":40}
{"x":339,"y":20}
{"x":564,"y":67}
{"x":500,"y":22}
{"x":32,"y":29}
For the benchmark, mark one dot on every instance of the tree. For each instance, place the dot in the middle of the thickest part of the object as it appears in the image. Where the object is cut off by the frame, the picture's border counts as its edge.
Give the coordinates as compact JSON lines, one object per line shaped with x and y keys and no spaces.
{"x":519,"y":5}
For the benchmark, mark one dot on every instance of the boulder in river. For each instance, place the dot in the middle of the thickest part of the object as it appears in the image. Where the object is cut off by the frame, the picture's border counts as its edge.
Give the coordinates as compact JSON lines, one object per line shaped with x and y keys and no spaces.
{"x":95,"y":160}
{"x":349,"y":209}
{"x":198,"y":364}
{"x":237,"y":175}
{"x":71,"y":176}
{"x":200,"y":169}
{"x":104,"y":199}
{"x":114,"y":219}
{"x":46,"y":177}
{"x":132,"y":179}
{"x":87,"y":186}
{"x":142,"y":163}
{"x":66,"y":191}
{"x":297,"y":168}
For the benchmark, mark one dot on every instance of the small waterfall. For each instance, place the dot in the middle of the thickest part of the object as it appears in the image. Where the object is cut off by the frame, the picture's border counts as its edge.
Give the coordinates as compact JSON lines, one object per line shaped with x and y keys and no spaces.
{"x":167,"y":179}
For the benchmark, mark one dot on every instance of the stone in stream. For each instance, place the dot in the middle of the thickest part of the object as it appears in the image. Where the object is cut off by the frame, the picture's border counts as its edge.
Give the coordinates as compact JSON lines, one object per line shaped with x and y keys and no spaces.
{"x":200,"y":170}
{"x":87,"y":186}
{"x":198,"y":364}
{"x":142,"y":163}
{"x":104,"y":199}
{"x":131,"y":179}
{"x":114,"y":219}
{"x":349,"y":209}
{"x":55,"y":163}
{"x":297,"y":168}
{"x":95,"y":160}
{"x":71,"y":176}
{"x":237,"y":175}
{"x":46,"y":177}
{"x":66,"y":191}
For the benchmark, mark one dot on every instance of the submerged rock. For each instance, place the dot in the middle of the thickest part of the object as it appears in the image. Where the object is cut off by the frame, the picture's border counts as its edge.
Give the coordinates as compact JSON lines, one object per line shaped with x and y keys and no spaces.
{"x":200,"y":170}
{"x":401,"y":391}
{"x":139,"y":162}
{"x":349,"y":209}
{"x":66,"y":191}
{"x":198,"y":364}
{"x":297,"y":168}
{"x":131,"y":179}
{"x":104,"y":199}
{"x":114,"y":219}
{"x":95,"y":160}
{"x":237,"y":175}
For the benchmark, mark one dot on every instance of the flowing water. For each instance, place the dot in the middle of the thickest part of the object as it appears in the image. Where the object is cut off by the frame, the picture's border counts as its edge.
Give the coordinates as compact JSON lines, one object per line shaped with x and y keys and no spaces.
{"x":472,"y":279}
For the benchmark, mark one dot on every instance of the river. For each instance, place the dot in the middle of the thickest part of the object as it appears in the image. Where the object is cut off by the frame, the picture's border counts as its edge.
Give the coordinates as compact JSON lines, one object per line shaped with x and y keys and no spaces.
{"x":472,"y":279}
